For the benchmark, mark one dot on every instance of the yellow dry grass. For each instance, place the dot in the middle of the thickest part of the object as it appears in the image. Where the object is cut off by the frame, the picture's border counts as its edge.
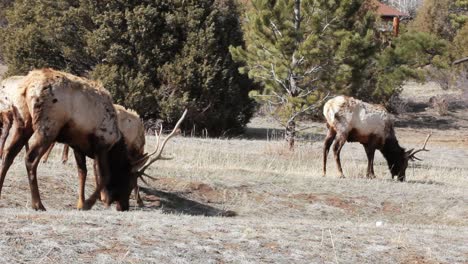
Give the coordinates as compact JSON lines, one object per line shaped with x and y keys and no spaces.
{"x":280,"y":208}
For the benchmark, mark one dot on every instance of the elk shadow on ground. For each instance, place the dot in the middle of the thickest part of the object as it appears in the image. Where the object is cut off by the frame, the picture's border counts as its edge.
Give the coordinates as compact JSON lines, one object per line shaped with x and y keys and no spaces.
{"x":175,"y":203}
{"x":425,"y":182}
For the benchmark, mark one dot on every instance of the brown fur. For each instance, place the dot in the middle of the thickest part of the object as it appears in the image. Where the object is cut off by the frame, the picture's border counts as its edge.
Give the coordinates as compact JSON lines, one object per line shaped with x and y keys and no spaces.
{"x":132,"y":130}
{"x":57,"y":106}
{"x":352,"y":120}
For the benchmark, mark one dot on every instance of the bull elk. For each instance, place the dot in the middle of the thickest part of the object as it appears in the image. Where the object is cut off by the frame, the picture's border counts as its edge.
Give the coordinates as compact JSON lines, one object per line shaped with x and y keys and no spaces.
{"x":56,"y":106}
{"x":133,"y":131}
{"x":352,"y":120}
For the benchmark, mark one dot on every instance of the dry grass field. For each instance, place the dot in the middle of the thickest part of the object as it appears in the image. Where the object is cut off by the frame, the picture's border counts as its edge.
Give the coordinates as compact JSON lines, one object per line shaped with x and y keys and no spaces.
{"x":248,"y":200}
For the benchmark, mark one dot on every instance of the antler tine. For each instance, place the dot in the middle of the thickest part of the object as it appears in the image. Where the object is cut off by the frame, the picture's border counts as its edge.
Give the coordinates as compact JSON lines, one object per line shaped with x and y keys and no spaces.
{"x":158,"y":150}
{"x":145,"y":157}
{"x":423,"y":148}
{"x":158,"y":141}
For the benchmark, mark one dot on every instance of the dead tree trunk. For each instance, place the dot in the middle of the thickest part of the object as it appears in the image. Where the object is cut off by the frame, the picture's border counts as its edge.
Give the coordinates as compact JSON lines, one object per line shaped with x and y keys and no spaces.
{"x":460,"y":61}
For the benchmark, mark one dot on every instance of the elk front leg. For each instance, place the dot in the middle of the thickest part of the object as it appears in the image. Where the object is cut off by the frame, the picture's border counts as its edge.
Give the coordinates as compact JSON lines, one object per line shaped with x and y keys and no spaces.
{"x":80,"y":159}
{"x":40,"y":144}
{"x":370,"y":152}
{"x":326,"y":147}
{"x":46,"y":155}
{"x":101,"y":173}
{"x":65,"y":153}
{"x":97,"y":178}
{"x":336,"y":151}
{"x":137,"y":196}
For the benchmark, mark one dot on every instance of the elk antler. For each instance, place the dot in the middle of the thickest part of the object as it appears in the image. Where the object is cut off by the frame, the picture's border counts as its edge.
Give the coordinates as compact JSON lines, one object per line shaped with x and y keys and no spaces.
{"x":412,"y":154}
{"x":146,"y":161}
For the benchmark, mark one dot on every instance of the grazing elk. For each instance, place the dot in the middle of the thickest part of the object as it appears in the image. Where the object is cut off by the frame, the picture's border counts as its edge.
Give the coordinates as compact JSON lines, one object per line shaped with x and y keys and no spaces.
{"x":9,"y":97}
{"x":349,"y":119}
{"x":56,"y":106}
{"x":133,"y":131}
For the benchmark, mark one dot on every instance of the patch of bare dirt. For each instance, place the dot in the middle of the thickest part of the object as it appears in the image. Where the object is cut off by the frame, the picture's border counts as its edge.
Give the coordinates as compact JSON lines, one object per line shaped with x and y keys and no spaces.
{"x":350,"y":205}
{"x":418,"y":259}
{"x":311,"y":198}
{"x":390,"y":208}
{"x":347,"y":205}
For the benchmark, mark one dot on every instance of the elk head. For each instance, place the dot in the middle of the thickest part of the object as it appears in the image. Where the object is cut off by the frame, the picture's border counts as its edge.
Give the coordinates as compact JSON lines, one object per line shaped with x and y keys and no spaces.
{"x":139,"y":167}
{"x":399,"y":168}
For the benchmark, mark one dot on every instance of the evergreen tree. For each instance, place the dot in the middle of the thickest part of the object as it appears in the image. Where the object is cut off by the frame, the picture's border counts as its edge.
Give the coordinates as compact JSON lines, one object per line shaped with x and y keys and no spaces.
{"x":155,"y":56}
{"x":441,"y":17}
{"x":444,"y":19}
{"x":302,"y":50}
{"x":407,"y":58}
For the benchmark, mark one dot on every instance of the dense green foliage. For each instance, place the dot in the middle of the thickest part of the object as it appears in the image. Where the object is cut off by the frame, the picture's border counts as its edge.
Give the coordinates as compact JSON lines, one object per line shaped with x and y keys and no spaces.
{"x":157,"y":57}
{"x":302,"y":50}
{"x":407,"y":58}
{"x":446,"y":20}
{"x":441,"y":17}
{"x":332,"y":47}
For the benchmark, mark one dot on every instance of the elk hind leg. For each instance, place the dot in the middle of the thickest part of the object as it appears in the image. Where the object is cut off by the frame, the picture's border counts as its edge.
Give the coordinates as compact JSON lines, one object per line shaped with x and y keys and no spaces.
{"x":7,"y":120}
{"x":370,"y":152}
{"x":326,"y":147}
{"x":80,"y":159}
{"x":47,"y":154}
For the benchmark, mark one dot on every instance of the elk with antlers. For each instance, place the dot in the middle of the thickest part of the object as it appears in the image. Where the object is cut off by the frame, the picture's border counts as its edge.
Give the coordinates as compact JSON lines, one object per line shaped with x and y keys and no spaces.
{"x":133,"y":131}
{"x":352,"y":120}
{"x":56,"y":106}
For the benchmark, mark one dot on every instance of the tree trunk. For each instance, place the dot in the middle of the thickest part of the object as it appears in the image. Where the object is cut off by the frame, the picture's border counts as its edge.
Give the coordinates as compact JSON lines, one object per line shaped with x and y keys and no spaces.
{"x":290,"y":135}
{"x":297,"y":15}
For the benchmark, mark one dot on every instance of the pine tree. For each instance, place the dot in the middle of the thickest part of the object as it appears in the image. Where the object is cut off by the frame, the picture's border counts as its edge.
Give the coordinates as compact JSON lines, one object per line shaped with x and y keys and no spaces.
{"x":302,"y":50}
{"x":441,"y":17}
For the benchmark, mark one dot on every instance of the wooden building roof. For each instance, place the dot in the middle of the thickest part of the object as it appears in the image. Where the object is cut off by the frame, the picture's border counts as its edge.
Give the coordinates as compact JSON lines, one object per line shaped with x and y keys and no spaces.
{"x":388,"y":11}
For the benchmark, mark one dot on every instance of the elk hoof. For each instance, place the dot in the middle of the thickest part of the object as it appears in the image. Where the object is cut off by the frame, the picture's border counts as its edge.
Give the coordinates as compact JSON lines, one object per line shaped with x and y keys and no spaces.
{"x":342,"y":176}
{"x":82,"y":205}
{"x":140,"y":203}
{"x":371,"y":176}
{"x":38,"y":207}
